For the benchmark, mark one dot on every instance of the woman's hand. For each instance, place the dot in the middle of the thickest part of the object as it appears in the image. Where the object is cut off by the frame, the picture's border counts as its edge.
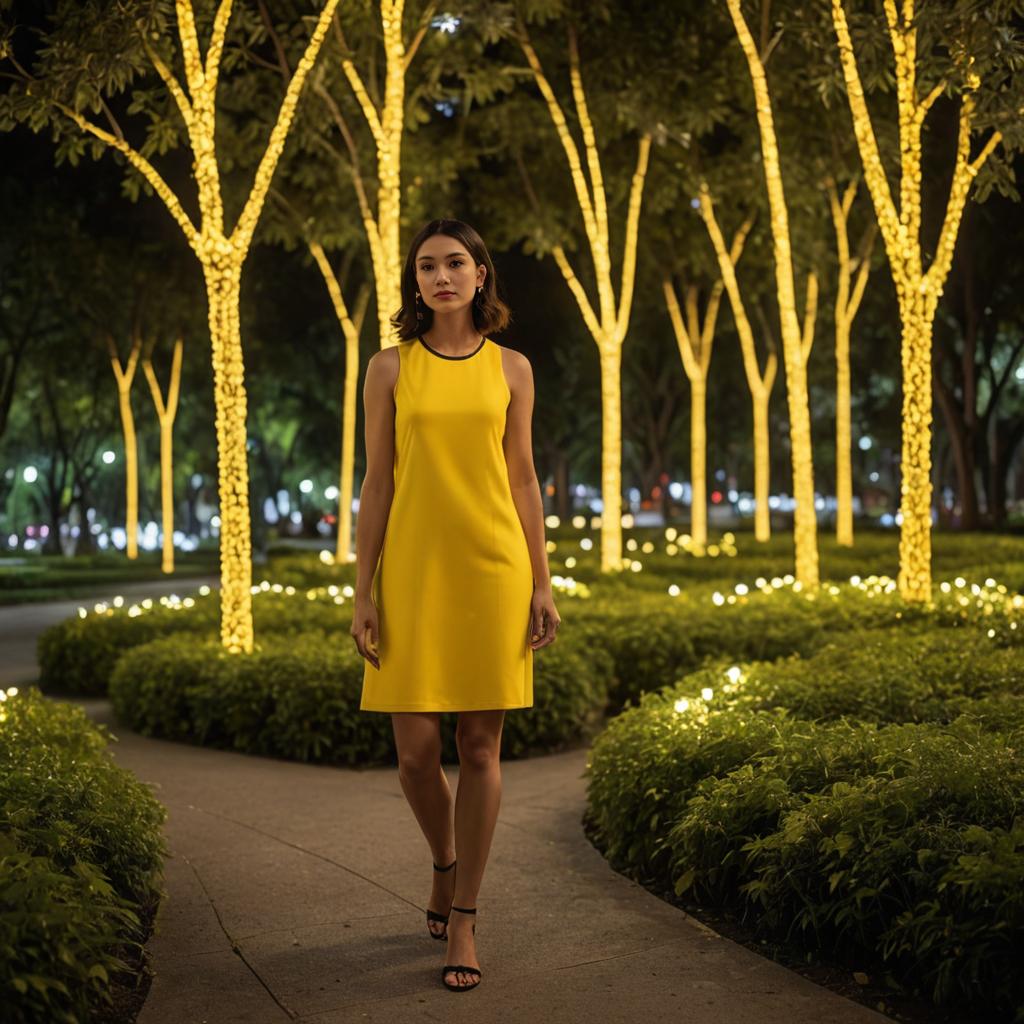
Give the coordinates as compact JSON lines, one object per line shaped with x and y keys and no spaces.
{"x":365,"y":629}
{"x":544,"y":618}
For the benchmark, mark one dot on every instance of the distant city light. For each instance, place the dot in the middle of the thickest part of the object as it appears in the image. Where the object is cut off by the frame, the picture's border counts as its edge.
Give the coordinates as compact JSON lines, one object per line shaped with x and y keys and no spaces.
{"x":331,"y":493}
{"x":109,"y":456}
{"x":306,"y":486}
{"x":447,"y":23}
{"x":30,"y":475}
{"x":864,"y":444}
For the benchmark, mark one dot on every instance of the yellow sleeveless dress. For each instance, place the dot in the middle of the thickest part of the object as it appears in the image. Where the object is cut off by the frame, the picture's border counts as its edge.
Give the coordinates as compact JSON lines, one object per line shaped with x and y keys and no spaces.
{"x":454,"y":582}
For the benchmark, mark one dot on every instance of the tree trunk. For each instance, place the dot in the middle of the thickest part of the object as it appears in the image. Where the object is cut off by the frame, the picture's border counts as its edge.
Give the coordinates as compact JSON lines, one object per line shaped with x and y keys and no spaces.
{"x":611,"y":458}
{"x":698,"y":464}
{"x":915,"y":574}
{"x":223,"y":285}
{"x":762,"y":469}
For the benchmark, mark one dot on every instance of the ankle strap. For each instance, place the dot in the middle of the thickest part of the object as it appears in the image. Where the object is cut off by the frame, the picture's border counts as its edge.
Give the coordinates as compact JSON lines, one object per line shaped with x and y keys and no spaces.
{"x":450,"y":866}
{"x":465,"y":910}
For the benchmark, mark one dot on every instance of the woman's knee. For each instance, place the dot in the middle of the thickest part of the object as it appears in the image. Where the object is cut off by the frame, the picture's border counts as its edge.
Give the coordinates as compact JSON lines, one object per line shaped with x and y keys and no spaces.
{"x":418,"y":744}
{"x":477,"y":750}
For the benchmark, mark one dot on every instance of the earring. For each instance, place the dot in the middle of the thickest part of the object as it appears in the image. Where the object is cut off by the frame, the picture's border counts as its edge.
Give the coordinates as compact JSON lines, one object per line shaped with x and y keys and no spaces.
{"x":480,"y":291}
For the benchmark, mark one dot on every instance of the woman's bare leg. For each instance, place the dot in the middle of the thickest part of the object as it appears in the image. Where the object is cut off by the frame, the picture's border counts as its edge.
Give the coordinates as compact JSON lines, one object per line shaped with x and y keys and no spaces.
{"x":478,"y":737}
{"x":418,"y":741}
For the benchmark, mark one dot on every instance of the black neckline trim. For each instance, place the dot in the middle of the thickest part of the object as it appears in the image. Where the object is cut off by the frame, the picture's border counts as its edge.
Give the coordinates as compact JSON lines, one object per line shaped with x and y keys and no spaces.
{"x":443,"y":356}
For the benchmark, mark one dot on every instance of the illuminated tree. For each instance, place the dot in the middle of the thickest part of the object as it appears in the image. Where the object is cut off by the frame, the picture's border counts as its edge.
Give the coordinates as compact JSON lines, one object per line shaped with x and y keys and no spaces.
{"x":760,"y":383}
{"x":974,"y":40}
{"x":608,"y":324}
{"x":221,"y":251}
{"x":328,"y":133}
{"x":853,"y":273}
{"x":796,"y":343}
{"x":124,"y":375}
{"x":695,"y":340}
{"x":166,"y":410}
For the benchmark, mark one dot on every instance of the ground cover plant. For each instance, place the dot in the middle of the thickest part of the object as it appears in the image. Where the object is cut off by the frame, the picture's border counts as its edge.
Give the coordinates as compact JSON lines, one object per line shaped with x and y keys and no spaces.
{"x":80,"y":855}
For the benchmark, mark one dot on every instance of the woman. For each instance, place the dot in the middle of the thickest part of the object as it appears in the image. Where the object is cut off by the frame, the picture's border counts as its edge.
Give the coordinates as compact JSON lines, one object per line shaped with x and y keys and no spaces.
{"x":453,"y":590}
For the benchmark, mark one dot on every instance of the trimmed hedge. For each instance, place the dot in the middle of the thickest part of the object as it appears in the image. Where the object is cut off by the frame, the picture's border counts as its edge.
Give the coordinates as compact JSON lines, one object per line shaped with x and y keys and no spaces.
{"x":80,"y":851}
{"x":895,"y":838}
{"x":298,"y":698}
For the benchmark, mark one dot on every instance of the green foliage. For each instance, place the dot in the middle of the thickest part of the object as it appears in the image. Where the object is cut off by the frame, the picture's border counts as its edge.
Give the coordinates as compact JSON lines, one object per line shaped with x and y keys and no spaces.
{"x":297,"y":696}
{"x":865,"y":799}
{"x":80,"y":850}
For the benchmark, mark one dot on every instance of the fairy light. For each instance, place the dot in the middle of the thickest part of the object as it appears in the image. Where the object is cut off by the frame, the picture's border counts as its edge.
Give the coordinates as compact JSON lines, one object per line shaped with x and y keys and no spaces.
{"x":849,"y":293}
{"x":694,"y":340}
{"x":221,"y":255}
{"x":760,"y":384}
{"x":608,"y":324}
{"x":166,"y":412}
{"x":796,"y":344}
{"x":124,"y":375}
{"x":917,"y":289}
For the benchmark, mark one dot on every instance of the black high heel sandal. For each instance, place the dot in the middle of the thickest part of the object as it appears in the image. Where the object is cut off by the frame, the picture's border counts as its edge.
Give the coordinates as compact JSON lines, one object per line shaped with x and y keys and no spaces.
{"x":433,"y":915}
{"x":463,"y":968}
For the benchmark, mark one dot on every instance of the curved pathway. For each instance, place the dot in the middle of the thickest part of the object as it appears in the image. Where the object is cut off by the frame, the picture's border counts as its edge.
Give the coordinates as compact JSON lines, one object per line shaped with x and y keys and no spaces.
{"x":297,"y":892}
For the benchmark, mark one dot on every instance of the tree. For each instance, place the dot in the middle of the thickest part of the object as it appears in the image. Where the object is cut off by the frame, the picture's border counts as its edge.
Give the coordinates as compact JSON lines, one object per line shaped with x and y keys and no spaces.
{"x":796,"y":342}
{"x":970,"y":51}
{"x":76,"y":70}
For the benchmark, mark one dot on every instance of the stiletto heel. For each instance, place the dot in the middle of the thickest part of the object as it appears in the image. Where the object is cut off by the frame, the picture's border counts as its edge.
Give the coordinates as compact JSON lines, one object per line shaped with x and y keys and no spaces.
{"x":463,"y":968}
{"x":433,"y":915}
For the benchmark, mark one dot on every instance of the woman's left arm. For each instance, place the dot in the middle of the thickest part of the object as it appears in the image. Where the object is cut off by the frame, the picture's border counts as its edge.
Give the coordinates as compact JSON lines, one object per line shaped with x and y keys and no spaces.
{"x":522,"y":477}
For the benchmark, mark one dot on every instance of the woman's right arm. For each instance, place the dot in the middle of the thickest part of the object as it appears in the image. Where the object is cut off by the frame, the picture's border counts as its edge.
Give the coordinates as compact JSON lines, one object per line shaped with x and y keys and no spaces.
{"x":376,"y":494}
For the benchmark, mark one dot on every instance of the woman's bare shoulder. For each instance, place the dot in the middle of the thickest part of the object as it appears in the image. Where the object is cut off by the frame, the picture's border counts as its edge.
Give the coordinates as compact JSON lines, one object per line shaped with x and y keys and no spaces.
{"x":382,"y":368}
{"x":515,"y":364}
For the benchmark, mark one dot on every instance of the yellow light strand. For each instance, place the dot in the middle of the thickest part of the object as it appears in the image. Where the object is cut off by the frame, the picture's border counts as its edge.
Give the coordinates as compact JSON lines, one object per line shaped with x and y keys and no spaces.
{"x":124,"y":377}
{"x":608,"y":328}
{"x":760,"y":385}
{"x":166,"y":413}
{"x":917,"y":290}
{"x":805,"y":523}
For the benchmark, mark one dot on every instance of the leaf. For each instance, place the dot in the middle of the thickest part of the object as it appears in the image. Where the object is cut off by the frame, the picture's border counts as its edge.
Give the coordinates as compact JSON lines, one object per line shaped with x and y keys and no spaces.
{"x":684,"y":881}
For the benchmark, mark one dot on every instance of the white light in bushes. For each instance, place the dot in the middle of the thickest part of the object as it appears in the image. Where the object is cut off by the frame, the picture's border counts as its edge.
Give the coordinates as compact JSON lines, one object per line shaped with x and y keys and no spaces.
{"x":12,"y":691}
{"x":552,"y":521}
{"x":579,"y":522}
{"x":586,"y":544}
{"x":673,"y":590}
{"x":682,"y":705}
{"x":717,"y":598}
{"x":707,"y":693}
{"x":742,"y":588}
{"x":82,"y":613}
{"x":734,"y":673}
{"x":204,"y":590}
{"x":570,"y":562}
{"x":327,"y":557}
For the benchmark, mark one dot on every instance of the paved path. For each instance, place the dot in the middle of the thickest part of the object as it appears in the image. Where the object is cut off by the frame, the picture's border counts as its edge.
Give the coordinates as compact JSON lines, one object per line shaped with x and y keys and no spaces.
{"x":297,"y":892}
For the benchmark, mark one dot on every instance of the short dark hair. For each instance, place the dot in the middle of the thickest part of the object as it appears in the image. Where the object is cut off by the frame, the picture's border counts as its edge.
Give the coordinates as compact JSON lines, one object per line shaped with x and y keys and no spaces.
{"x":490,"y":314}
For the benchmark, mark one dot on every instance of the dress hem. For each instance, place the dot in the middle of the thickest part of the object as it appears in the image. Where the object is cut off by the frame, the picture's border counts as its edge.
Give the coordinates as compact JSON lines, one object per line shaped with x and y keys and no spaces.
{"x":420,"y":707}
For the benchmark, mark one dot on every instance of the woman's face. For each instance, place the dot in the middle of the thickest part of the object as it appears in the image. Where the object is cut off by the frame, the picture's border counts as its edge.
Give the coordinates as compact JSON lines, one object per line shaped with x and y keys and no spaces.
{"x":446,"y":276}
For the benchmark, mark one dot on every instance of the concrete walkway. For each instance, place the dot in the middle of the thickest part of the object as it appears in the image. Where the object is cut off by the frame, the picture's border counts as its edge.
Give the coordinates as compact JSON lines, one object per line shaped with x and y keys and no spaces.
{"x":297,"y":892}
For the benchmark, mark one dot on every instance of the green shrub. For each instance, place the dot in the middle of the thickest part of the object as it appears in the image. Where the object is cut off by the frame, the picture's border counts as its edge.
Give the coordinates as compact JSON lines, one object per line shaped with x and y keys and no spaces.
{"x":78,"y":655}
{"x":298,"y":698}
{"x":905,"y":675}
{"x":794,"y":793}
{"x":80,"y":851}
